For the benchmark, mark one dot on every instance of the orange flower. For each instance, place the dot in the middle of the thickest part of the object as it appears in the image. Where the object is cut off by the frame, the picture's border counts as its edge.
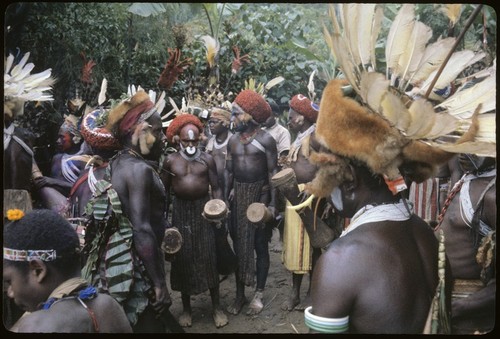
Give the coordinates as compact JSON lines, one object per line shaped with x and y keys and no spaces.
{"x":14,"y":214}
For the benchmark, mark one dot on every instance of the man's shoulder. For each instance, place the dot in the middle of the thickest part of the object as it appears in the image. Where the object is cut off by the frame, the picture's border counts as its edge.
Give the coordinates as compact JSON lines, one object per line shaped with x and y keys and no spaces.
{"x":64,"y":316}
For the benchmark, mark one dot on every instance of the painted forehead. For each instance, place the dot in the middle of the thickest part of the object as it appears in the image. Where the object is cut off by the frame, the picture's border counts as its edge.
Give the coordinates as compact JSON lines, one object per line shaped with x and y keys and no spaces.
{"x":189,"y":132}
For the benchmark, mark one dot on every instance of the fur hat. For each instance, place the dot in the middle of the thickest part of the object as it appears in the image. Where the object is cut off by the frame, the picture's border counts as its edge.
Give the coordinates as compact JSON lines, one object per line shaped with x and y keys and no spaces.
{"x":350,"y":131}
{"x":179,"y":122}
{"x":126,"y":115}
{"x":221,"y":114}
{"x":305,"y":107}
{"x":254,"y":104}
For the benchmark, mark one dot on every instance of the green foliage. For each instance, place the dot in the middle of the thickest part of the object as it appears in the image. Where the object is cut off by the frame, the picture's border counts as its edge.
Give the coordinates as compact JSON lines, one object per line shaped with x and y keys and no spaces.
{"x":282,"y":39}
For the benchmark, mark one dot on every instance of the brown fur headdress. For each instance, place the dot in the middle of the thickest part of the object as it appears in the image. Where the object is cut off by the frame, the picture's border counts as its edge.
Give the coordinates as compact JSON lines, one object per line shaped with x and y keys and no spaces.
{"x":126,"y":115}
{"x":349,"y":130}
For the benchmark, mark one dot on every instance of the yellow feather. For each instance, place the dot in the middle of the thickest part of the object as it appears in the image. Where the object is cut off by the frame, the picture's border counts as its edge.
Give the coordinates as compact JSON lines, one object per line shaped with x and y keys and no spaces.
{"x":457,"y":63}
{"x":212,"y":48}
{"x":365,"y":19}
{"x":394,"y":110}
{"x":345,"y":61}
{"x":432,"y":59}
{"x":377,"y":24}
{"x":444,"y":124}
{"x":350,"y":31}
{"x":463,"y":103}
{"x":482,"y":149}
{"x":411,"y":58}
{"x":422,"y":119}
{"x":487,"y":127}
{"x":453,"y":12}
{"x":373,"y":87}
{"x":398,"y":37}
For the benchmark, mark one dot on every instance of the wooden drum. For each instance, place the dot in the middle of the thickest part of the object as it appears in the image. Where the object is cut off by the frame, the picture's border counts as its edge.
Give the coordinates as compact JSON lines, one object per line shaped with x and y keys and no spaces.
{"x":172,"y":241}
{"x":258,"y":212}
{"x":215,"y":210}
{"x":286,"y":182}
{"x":320,"y":234}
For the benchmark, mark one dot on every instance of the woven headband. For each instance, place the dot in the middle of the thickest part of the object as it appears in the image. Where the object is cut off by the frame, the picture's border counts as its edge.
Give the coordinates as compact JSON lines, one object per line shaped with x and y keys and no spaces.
{"x":28,"y":255}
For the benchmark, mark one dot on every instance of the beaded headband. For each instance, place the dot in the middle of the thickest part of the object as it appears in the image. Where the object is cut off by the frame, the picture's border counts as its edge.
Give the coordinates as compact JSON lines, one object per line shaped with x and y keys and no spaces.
{"x":28,"y":255}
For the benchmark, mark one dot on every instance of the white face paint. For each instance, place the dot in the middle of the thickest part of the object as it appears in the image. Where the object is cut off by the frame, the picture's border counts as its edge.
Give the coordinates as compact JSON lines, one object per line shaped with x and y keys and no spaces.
{"x":336,"y":197}
{"x":190,"y":150}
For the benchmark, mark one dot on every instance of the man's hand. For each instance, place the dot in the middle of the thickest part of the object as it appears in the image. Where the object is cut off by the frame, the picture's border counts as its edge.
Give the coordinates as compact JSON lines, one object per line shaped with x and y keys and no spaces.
{"x":162,"y":299}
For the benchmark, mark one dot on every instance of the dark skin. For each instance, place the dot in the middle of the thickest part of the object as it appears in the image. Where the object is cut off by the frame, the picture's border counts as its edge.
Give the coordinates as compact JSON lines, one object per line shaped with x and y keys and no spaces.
{"x":450,"y":170}
{"x":220,"y":132}
{"x":282,"y":155}
{"x":82,"y":193}
{"x":33,"y":286}
{"x":383,"y":274}
{"x":304,"y":172}
{"x":192,"y":180}
{"x":18,"y":162}
{"x":248,"y":164}
{"x":459,"y":245}
{"x":56,"y":180}
{"x":143,"y":202}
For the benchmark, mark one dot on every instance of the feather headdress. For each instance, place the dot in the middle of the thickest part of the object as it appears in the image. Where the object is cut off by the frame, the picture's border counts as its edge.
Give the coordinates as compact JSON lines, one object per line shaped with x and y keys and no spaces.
{"x":212,"y":49}
{"x":401,"y":126}
{"x":411,"y":65}
{"x":20,"y":84}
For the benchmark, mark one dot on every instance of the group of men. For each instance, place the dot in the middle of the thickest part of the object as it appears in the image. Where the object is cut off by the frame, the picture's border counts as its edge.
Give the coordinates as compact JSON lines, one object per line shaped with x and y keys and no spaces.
{"x":380,"y":278}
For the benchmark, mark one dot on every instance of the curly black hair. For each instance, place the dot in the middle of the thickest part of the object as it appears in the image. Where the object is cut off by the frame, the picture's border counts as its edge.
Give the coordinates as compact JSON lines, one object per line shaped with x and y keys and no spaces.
{"x":44,"y":229}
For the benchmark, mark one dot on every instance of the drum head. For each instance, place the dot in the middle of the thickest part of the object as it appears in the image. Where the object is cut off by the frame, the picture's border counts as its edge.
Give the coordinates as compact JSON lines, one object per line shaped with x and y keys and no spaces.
{"x":172,"y":241}
{"x":215,"y":209}
{"x":257,"y":212}
{"x":284,"y":176}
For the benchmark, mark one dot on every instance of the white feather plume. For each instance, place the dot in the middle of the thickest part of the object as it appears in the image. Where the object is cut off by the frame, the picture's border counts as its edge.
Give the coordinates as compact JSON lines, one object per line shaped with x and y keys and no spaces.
{"x":102,"y":94}
{"x":20,"y":84}
{"x":464,"y":102}
{"x":398,"y":37}
{"x":411,"y":58}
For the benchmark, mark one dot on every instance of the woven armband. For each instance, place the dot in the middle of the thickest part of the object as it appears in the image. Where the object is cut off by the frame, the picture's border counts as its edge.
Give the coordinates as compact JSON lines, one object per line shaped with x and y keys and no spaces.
{"x":325,"y":325}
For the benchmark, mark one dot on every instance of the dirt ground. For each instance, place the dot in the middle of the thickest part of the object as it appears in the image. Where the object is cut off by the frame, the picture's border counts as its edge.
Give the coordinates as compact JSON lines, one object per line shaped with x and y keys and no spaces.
{"x":272,"y":320}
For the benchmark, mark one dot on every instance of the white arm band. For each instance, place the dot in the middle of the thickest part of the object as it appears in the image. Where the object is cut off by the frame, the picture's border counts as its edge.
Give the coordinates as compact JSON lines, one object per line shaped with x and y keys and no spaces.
{"x":325,"y":325}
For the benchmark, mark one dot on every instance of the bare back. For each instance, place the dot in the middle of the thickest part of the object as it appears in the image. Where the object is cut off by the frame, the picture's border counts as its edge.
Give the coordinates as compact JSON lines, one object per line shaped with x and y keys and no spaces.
{"x":458,"y":241}
{"x":141,"y":193}
{"x":69,"y":316}
{"x":390,"y":266}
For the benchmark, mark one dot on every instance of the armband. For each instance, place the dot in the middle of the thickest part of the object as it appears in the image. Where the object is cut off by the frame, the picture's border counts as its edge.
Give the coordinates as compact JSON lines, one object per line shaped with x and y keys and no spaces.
{"x":325,"y":325}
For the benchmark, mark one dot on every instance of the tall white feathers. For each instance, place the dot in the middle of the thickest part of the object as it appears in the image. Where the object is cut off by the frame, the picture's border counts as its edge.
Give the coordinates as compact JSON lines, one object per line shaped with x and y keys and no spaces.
{"x":398,"y":92}
{"x":20,"y":84}
{"x":102,"y":93}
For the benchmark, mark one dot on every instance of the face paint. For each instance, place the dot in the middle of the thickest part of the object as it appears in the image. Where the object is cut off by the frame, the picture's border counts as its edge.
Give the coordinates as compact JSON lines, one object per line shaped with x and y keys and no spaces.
{"x":190,"y":150}
{"x":336,"y":197}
